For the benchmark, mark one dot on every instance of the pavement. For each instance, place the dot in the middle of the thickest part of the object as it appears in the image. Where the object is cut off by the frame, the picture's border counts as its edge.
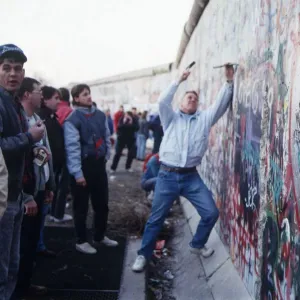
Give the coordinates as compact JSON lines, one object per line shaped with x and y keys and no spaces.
{"x":133,"y":285}
{"x":221,"y":276}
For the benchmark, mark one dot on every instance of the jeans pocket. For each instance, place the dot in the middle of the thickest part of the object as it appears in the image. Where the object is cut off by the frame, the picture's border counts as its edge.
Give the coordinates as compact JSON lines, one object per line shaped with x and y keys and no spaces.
{"x":163,"y":174}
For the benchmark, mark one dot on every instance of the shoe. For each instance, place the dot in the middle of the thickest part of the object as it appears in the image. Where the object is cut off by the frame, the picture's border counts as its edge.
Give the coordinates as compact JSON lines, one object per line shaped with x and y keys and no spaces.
{"x":36,"y":290}
{"x":47,"y":253}
{"x":139,"y":264}
{"x":112,"y":177}
{"x":107,"y":242}
{"x":66,"y":218}
{"x":129,"y":170}
{"x":150,"y":196}
{"x":86,"y":248}
{"x":205,"y":251}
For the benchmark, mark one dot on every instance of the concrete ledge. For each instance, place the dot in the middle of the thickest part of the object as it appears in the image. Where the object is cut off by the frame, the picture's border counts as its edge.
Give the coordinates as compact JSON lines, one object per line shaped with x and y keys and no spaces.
{"x":133,"y":285}
{"x":221,"y":275}
{"x":190,"y":282}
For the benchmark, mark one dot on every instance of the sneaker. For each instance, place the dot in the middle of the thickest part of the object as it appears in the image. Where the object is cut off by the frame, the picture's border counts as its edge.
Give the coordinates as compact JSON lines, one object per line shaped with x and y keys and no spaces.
{"x":36,"y":291}
{"x":150,"y":196}
{"x":107,"y":242}
{"x":47,"y":253}
{"x":112,"y":177}
{"x":86,"y":248}
{"x":66,"y":218}
{"x":205,"y":251}
{"x":139,"y":264}
{"x":129,"y":170}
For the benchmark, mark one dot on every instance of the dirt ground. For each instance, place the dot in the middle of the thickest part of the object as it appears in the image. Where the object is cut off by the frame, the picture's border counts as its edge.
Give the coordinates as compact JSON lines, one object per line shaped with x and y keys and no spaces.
{"x":129,"y":210}
{"x":128,"y":206}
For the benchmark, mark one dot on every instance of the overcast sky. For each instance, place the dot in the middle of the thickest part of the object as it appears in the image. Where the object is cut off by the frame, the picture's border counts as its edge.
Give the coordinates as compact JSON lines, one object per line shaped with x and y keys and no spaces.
{"x":77,"y":40}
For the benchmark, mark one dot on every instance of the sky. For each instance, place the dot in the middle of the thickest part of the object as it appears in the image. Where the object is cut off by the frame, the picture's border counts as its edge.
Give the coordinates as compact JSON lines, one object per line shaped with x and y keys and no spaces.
{"x":81,"y":40}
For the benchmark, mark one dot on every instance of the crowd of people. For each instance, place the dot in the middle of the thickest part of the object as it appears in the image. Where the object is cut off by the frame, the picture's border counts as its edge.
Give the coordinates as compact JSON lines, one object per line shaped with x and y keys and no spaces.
{"x":53,"y":148}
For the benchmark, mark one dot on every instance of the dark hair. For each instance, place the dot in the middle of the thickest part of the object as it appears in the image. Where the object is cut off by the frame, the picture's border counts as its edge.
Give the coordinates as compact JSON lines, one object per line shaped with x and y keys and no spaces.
{"x":27,"y":86}
{"x":192,"y":92}
{"x":130,"y":114}
{"x":77,"y":90}
{"x":13,"y":57}
{"x":144,"y":114}
{"x":48,"y":92}
{"x":65,"y":94}
{"x":134,"y":108}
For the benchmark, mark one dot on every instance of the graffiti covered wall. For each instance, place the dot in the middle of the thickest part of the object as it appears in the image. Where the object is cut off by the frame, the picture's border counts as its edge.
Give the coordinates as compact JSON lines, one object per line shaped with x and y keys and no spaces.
{"x":253,"y":162}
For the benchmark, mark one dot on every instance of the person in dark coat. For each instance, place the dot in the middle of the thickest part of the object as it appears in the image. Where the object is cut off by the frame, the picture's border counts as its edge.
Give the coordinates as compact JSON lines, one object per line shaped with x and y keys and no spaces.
{"x":51,"y":100}
{"x":127,"y":128}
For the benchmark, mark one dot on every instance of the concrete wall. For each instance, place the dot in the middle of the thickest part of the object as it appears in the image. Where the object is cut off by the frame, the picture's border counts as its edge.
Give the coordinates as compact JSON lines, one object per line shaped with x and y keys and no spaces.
{"x":138,"y":88}
{"x":253,"y":163}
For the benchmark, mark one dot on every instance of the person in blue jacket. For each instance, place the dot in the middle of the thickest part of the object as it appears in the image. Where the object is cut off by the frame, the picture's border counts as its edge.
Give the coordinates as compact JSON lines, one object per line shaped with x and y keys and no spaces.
{"x":87,"y":143}
{"x":149,"y":177}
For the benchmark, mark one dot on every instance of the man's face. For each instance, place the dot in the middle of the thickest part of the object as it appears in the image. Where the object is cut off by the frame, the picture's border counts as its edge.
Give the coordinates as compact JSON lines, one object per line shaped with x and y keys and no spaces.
{"x":108,"y":113}
{"x":84,"y":98}
{"x":121,"y":108}
{"x":35,"y":97}
{"x":134,"y":111}
{"x":52,"y":103}
{"x":11,"y":75}
{"x":189,"y":104}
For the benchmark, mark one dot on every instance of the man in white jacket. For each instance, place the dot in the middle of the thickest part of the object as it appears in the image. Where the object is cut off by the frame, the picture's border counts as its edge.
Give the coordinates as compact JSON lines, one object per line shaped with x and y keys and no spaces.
{"x":185,"y":141}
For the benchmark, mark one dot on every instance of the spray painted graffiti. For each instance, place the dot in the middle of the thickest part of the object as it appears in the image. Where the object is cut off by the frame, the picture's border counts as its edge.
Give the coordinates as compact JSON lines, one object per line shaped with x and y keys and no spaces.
{"x":253,"y":162}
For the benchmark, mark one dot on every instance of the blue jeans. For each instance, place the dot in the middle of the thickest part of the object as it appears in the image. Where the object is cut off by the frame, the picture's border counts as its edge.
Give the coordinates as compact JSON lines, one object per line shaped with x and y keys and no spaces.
{"x":141,"y":146}
{"x":148,"y":185}
{"x":10,"y":230}
{"x":41,"y":245}
{"x":169,"y":186}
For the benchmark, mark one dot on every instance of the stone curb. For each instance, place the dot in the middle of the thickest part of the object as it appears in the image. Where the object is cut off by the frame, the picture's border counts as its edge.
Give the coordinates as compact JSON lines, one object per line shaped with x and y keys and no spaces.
{"x":222,"y":277}
{"x":133,"y":285}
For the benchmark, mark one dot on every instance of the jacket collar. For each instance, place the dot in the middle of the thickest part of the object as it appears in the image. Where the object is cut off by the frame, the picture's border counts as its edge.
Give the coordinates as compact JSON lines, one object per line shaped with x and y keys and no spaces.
{"x":194,"y":116}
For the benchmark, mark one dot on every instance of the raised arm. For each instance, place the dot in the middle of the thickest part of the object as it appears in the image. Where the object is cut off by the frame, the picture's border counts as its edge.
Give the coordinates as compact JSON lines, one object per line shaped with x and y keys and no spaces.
{"x":217,"y":110}
{"x":166,"y":112}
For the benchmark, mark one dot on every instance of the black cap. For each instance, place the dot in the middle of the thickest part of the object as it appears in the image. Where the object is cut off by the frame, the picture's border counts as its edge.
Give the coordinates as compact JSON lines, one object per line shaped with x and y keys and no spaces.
{"x":14,"y":50}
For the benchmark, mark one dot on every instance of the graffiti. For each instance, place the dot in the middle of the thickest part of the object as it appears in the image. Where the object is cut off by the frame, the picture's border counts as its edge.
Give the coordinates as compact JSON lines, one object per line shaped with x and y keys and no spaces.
{"x":253,"y":161}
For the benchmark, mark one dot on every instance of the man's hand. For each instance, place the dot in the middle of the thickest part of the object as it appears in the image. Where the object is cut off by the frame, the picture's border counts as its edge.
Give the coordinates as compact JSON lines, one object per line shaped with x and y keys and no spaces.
{"x":229,"y":72}
{"x":37,"y":149}
{"x":37,"y":131}
{"x":184,"y":76}
{"x":31,"y":208}
{"x":81,"y":181}
{"x":49,"y":197}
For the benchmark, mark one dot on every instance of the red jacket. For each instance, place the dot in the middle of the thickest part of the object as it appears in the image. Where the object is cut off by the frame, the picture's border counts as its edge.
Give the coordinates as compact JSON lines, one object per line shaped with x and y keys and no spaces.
{"x":63,"y":111}
{"x":117,"y":117}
